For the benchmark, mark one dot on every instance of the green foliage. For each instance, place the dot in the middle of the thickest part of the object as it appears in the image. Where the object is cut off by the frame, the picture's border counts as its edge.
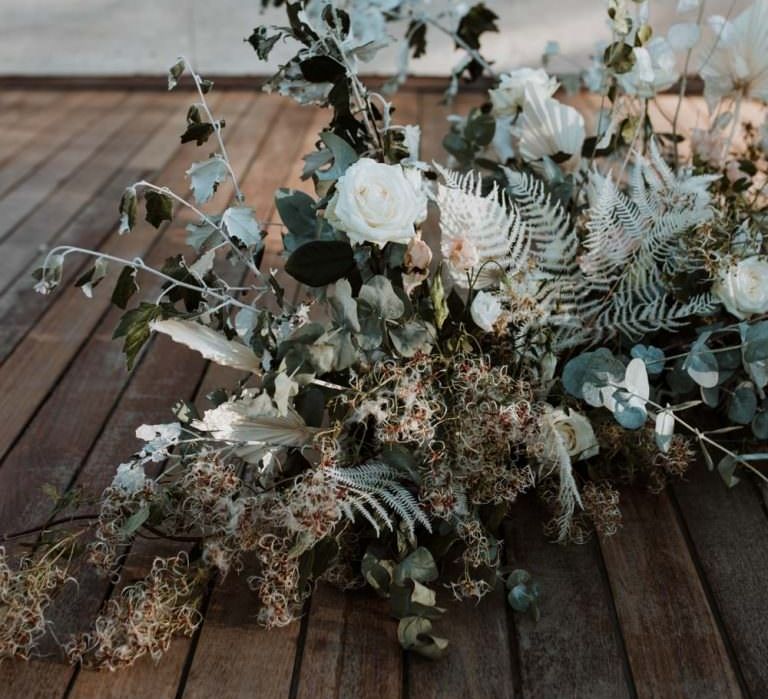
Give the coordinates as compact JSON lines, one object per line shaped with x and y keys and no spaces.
{"x":198,"y":131}
{"x":134,"y":327}
{"x":320,"y":262}
{"x":125,"y":287}
{"x":159,"y":207}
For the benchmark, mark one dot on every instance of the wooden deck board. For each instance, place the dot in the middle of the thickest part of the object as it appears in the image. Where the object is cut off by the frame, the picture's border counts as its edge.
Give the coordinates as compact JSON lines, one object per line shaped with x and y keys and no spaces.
{"x":673,"y":606}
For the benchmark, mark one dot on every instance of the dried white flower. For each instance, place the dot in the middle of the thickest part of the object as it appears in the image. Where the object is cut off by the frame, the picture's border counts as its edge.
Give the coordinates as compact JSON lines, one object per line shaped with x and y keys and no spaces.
{"x":486,"y":310}
{"x":509,"y":96}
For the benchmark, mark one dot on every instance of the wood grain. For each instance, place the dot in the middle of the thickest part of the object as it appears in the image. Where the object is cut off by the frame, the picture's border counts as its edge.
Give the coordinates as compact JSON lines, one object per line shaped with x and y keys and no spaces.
{"x":670,"y":632}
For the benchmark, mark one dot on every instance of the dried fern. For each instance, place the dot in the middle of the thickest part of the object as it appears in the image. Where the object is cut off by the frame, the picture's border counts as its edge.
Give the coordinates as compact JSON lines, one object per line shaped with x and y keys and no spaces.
{"x":374,"y":490}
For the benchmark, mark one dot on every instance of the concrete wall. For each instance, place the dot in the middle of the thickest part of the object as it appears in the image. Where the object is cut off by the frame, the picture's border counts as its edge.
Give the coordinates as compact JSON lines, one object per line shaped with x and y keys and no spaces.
{"x":92,"y":37}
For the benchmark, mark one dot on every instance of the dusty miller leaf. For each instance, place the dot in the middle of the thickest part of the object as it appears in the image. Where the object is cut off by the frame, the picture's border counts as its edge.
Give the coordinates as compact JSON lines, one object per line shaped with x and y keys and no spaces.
{"x":240,"y":223}
{"x":159,"y":208}
{"x":205,"y":177}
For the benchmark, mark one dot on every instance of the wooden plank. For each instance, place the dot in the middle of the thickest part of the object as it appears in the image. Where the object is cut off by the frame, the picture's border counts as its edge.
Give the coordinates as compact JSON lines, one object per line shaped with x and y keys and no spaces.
{"x":61,"y":331}
{"x":20,"y":306}
{"x":230,"y":620}
{"x":729,"y":533}
{"x":55,"y":156}
{"x":28,"y":124}
{"x":351,"y":648}
{"x":575,"y":649}
{"x":258,"y":185}
{"x":672,"y":638}
{"x":40,"y":228}
{"x":167,"y":374}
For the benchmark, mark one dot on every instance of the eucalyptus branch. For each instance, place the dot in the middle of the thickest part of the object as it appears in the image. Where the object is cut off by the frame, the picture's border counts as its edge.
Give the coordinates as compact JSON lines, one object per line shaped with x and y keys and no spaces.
{"x":139,"y":264}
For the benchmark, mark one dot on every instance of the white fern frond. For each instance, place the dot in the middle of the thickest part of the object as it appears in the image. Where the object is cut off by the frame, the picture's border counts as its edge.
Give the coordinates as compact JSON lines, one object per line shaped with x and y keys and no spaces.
{"x":374,"y":490}
{"x":634,"y":245}
{"x":486,"y":224}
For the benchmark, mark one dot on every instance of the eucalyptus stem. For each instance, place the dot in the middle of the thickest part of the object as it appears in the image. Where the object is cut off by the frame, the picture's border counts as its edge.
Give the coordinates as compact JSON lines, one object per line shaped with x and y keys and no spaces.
{"x":216,"y":126}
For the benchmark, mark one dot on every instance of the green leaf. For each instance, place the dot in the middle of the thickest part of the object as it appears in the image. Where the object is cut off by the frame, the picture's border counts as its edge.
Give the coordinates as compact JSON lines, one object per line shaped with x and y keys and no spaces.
{"x":743,"y":404}
{"x":175,"y":72}
{"x":413,"y":337}
{"x":134,"y":327}
{"x":701,"y":364}
{"x":419,"y":566}
{"x":343,"y":156}
{"x":417,"y":37}
{"x":91,"y":279}
{"x":128,"y":207}
{"x":205,"y":177}
{"x":159,"y":208}
{"x":380,"y":294}
{"x":585,"y":374}
{"x":135,"y":521}
{"x":414,"y":633}
{"x":727,"y":470}
{"x":760,"y":425}
{"x":125,"y":287}
{"x":199,"y":132}
{"x":240,"y":223}
{"x":439,"y":302}
{"x":377,"y":573}
{"x":322,"y":69}
{"x":480,"y":129}
{"x":756,"y":342}
{"x":321,"y":262}
{"x":263,"y":43}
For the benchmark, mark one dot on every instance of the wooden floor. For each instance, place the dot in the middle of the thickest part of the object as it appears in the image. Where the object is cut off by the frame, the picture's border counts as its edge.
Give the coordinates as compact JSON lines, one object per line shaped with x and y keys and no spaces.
{"x":675,"y":605}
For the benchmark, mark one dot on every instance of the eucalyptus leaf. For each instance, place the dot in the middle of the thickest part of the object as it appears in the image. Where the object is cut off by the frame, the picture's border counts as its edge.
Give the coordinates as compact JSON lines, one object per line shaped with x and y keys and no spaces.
{"x":743,"y":403}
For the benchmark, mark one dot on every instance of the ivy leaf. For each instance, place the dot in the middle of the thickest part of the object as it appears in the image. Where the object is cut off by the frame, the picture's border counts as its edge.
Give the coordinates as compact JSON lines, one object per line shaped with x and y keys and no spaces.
{"x":91,"y":279}
{"x":240,"y":223}
{"x":417,"y":38}
{"x":199,"y":132}
{"x":205,"y":177}
{"x":134,"y":327}
{"x":262,"y":43}
{"x":159,"y":207}
{"x":322,"y":69}
{"x":321,"y":262}
{"x":125,"y":287}
{"x":175,"y":72}
{"x":474,"y":23}
{"x":128,"y":207}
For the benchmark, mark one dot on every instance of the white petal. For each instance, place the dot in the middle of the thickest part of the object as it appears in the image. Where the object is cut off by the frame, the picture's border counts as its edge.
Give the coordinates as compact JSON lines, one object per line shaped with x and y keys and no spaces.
{"x":683,"y":36}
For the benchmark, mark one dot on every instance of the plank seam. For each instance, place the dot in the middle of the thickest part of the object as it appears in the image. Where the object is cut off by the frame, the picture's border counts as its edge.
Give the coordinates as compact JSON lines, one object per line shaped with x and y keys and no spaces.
{"x":708,"y":593}
{"x":614,"y":614}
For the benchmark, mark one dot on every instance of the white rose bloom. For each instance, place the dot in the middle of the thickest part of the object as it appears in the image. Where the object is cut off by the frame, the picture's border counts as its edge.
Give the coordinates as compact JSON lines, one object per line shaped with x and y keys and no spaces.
{"x":378,"y":203}
{"x":486,"y":310}
{"x":576,"y":432}
{"x":743,"y":287}
{"x":509,"y":97}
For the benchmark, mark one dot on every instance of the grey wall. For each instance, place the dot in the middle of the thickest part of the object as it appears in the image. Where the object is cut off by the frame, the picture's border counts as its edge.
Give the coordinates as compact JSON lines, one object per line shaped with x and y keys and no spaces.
{"x":94,"y":37}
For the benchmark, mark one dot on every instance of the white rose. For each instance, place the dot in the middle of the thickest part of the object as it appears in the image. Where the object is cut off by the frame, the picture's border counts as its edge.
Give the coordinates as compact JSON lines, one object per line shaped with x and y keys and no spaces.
{"x":743,"y":287}
{"x":509,"y":97}
{"x":486,"y":310}
{"x":377,"y":203}
{"x":576,"y":432}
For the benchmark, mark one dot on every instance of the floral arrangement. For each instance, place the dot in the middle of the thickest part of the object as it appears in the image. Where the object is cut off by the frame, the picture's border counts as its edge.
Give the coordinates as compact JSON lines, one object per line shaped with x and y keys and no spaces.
{"x":594,"y":280}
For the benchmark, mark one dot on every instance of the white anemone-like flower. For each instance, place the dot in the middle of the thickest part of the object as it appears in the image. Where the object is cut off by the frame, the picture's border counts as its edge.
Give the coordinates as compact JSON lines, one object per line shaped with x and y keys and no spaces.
{"x":742,"y":287}
{"x":738,"y":63}
{"x":551,"y":128}
{"x":378,"y":203}
{"x":655,"y":69}
{"x":509,"y":96}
